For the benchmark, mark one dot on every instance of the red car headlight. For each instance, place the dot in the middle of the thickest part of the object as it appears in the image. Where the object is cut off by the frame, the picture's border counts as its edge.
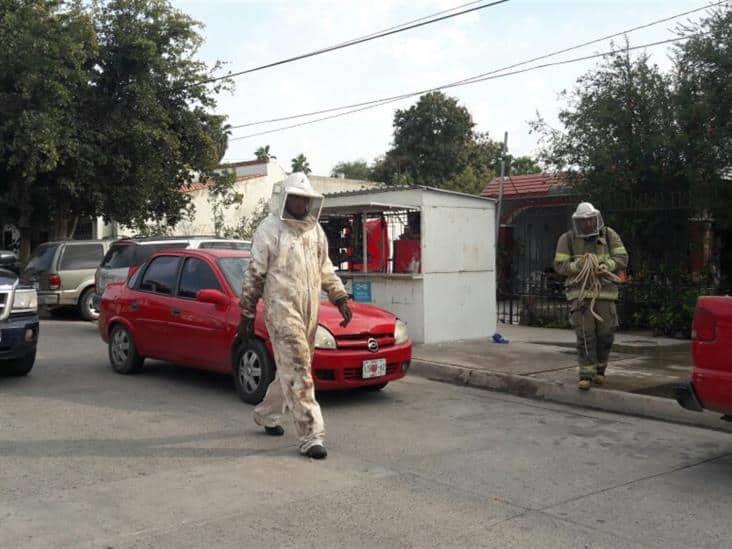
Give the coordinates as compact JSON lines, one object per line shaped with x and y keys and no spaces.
{"x":401,"y":333}
{"x":324,"y":339}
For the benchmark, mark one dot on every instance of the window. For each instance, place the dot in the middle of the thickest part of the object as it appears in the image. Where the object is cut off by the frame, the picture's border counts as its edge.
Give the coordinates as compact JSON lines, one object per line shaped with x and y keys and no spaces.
{"x":246,"y":246}
{"x":42,"y":259}
{"x":234,"y":269}
{"x":196,"y":275}
{"x":81,"y":256}
{"x":144,"y":251}
{"x":160,"y":275}
{"x":119,"y":256}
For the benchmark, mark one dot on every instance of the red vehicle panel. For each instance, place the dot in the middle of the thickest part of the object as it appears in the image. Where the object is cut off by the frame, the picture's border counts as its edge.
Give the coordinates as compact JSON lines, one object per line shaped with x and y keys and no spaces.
{"x":181,"y":307}
{"x":711,"y":379}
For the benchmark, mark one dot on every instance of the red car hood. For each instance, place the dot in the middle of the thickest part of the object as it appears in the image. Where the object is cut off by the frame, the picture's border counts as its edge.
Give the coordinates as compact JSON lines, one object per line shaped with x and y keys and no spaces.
{"x":367,"y":319}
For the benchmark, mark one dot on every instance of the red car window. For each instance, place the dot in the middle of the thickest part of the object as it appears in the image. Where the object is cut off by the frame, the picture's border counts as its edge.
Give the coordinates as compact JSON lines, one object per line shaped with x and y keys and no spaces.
{"x":196,"y":275}
{"x":160,"y":276}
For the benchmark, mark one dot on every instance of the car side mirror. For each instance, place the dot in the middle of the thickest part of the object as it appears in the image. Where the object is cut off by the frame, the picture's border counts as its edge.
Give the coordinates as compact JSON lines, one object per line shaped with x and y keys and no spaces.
{"x":215,"y":297}
{"x":132,"y":270}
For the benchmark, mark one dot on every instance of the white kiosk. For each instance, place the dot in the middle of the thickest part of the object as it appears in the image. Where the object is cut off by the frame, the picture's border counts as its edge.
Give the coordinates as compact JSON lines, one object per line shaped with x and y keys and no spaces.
{"x":430,"y":257}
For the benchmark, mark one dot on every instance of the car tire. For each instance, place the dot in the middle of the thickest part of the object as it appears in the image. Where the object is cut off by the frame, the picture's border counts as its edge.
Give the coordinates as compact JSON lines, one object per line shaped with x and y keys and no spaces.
{"x":123,"y":355}
{"x":253,"y":371}
{"x":86,"y":306}
{"x":20,"y":366}
{"x":375,"y":388}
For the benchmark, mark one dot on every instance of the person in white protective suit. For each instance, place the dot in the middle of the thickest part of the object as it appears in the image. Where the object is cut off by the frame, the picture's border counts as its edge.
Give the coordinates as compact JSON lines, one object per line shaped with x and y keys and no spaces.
{"x":288,"y":269}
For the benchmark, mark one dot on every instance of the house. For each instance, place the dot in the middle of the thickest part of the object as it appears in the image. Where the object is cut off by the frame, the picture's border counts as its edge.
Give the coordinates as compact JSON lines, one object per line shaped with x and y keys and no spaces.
{"x":254,"y":181}
{"x":535,"y":210}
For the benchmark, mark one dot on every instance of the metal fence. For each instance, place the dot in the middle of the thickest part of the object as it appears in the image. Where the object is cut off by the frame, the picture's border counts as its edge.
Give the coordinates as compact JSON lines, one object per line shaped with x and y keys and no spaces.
{"x":664,"y":305}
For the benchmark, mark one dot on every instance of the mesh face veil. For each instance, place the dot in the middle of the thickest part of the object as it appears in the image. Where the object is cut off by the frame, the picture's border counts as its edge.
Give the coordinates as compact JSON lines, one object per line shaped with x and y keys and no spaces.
{"x":587,"y":220}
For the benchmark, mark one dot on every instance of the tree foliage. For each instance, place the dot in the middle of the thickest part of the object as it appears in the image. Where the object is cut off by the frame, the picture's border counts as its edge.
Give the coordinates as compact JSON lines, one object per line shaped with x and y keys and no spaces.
{"x":263,"y":153}
{"x":635,"y":136}
{"x":300,"y":164}
{"x":357,"y":169}
{"x":102,"y":112}
{"x":435,"y":144}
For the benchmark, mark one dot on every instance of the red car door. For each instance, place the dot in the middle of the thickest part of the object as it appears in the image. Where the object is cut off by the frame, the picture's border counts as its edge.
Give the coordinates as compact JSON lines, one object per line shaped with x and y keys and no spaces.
{"x":155,"y":306}
{"x":199,"y":331}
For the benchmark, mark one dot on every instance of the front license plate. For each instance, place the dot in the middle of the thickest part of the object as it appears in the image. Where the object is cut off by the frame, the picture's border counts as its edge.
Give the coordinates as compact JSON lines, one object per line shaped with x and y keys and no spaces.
{"x":374,"y":368}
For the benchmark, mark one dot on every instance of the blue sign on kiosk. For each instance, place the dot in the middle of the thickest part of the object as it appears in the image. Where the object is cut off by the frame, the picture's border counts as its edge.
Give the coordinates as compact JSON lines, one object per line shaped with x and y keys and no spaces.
{"x":362,"y":291}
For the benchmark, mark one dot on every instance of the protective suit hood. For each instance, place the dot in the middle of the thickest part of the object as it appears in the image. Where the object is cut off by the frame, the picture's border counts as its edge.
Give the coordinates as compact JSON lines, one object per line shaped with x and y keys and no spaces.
{"x":296,"y":184}
{"x":587,"y":220}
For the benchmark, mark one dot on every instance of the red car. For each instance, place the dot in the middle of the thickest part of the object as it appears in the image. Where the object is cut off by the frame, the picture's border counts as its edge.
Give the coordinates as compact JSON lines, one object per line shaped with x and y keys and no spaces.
{"x":711,"y":379}
{"x":182,"y":307}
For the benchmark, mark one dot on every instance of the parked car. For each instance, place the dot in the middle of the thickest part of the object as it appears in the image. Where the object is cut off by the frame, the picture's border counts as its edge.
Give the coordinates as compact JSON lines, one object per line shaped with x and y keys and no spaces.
{"x":710,"y":387}
{"x":63,"y":274}
{"x":9,"y":261}
{"x":133,"y":252}
{"x":182,"y":307}
{"x":18,"y":325}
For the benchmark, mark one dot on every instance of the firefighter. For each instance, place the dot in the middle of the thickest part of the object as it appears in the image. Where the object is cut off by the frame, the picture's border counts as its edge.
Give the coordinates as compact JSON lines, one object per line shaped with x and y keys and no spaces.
{"x":589,"y":256}
{"x":288,"y":269}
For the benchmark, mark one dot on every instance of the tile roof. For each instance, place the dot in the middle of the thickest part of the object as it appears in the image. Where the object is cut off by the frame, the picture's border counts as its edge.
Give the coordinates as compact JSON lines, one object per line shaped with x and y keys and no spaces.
{"x":519,"y":186}
{"x":201,"y":185}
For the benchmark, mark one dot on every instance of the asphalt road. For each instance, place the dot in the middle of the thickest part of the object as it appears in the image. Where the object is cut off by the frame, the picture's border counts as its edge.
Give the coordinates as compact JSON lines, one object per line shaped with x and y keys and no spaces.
{"x":170,"y":458}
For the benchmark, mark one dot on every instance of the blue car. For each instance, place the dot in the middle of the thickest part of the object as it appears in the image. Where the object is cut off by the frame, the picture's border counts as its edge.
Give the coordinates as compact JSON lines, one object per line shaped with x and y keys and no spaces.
{"x":18,"y":325}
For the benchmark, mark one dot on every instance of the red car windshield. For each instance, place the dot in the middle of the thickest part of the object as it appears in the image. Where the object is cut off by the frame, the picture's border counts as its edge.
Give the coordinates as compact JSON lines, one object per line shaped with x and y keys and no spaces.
{"x":234,"y":269}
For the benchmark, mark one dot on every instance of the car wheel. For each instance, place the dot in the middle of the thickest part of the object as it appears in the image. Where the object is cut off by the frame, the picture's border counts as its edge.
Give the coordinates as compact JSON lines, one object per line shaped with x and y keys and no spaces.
{"x":374,"y":388}
{"x":86,"y":306}
{"x":123,"y":355}
{"x":19,"y":366}
{"x":253,"y":371}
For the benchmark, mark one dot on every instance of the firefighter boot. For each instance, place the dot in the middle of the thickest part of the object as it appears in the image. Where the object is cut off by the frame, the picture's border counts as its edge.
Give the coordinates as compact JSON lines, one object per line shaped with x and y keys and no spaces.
{"x":599,"y":378}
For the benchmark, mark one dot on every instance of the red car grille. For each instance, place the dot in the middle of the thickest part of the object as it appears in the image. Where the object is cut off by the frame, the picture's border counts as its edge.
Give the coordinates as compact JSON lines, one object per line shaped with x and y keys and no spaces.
{"x":361,"y":341}
{"x":356,"y":373}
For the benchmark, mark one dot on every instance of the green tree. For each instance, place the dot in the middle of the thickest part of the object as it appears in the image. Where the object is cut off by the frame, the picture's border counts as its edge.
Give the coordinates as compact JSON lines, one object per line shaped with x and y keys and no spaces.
{"x":431,"y":139}
{"x":435,"y":144}
{"x":46,"y":56}
{"x":522,"y":165}
{"x":103,"y":113}
{"x":358,"y":169}
{"x":301,"y":164}
{"x":620,"y":146}
{"x":263,"y":154}
{"x":703,"y":65}
{"x":155,"y":126}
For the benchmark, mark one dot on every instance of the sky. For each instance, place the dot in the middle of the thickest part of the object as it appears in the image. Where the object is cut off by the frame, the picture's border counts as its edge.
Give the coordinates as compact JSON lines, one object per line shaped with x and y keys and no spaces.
{"x":248,"y":33}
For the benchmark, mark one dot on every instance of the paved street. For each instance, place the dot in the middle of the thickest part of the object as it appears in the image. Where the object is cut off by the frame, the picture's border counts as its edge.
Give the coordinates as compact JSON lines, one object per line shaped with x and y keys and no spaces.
{"x":169,"y":458}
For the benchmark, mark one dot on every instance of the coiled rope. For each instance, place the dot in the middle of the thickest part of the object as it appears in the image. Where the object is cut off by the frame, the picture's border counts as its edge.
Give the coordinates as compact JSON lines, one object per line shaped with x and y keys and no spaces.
{"x":590,"y":279}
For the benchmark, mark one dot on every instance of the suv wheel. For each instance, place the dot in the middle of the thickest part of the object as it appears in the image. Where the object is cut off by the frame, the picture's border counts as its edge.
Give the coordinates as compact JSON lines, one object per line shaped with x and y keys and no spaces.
{"x":253,"y":371}
{"x":123,"y":355}
{"x":86,"y":305}
{"x":19,"y":366}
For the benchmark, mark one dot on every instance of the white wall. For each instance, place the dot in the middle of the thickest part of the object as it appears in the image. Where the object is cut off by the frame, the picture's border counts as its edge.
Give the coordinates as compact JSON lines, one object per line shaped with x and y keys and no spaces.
{"x":256,"y":191}
{"x":456,"y":296}
{"x":459,"y":306}
{"x":402,"y":296}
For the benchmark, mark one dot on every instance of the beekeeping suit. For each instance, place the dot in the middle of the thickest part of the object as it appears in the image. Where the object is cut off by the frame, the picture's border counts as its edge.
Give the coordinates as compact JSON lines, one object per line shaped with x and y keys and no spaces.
{"x":288,"y":269}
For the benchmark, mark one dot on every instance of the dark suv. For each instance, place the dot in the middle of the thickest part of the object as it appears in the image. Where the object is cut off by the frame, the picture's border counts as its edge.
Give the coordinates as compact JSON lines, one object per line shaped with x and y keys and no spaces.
{"x":18,"y":325}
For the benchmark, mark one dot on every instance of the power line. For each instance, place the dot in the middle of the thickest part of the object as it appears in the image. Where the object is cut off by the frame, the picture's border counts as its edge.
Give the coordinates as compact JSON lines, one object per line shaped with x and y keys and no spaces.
{"x":348,"y":42}
{"x":385,"y":100}
{"x":474,"y":81}
{"x":367,"y":38}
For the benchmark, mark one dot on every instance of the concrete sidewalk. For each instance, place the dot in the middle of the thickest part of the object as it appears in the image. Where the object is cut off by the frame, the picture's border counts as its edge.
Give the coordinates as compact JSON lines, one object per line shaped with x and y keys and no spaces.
{"x":541,"y":363}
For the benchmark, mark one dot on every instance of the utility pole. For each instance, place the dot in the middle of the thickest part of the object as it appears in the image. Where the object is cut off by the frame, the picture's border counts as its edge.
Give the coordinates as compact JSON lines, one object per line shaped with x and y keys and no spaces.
{"x":500,"y":188}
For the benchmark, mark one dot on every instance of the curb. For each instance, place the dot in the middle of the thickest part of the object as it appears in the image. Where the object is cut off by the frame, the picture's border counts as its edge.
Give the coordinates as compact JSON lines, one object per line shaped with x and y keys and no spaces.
{"x":618,"y":402}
